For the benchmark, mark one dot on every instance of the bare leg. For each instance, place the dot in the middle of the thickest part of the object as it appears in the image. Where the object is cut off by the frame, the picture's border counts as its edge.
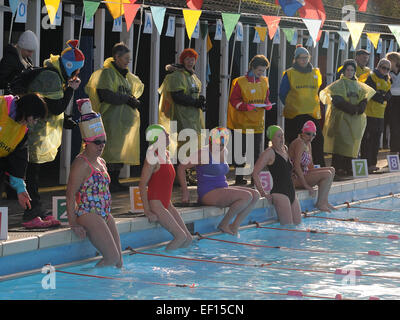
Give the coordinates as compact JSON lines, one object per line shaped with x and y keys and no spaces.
{"x":181,"y":223}
{"x":296,"y":211}
{"x":167,"y":220}
{"x":114,"y":231}
{"x":101,"y":237}
{"x":237,"y":201}
{"x":283,"y":208}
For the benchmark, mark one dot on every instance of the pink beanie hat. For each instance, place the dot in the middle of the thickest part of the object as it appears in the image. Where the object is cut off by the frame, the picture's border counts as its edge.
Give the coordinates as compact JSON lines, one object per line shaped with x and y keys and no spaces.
{"x":309,"y":126}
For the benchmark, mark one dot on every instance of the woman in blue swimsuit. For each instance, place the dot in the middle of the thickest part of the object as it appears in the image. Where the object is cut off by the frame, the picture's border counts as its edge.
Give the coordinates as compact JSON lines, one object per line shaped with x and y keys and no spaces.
{"x":212,"y":186}
{"x":282,"y":194}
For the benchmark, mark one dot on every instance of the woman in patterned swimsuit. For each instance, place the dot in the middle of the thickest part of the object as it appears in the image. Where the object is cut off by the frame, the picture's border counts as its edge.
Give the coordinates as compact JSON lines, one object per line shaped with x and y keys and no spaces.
{"x":89,"y":202}
{"x":304,"y":174}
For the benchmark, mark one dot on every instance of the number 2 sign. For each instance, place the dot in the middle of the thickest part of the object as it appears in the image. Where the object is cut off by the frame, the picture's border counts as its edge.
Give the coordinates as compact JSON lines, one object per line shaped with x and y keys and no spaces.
{"x":266,"y":181}
{"x":360,"y":168}
{"x":393,"y":162}
{"x":60,"y":209}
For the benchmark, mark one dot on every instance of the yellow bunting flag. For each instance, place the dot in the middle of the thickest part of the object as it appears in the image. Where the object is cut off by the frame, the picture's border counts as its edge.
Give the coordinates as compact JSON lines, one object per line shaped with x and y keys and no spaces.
{"x":52,"y":7}
{"x":209,"y":43}
{"x":356,"y":29}
{"x":116,"y":7}
{"x":191,"y":17}
{"x":262,"y":32}
{"x":374,"y":37}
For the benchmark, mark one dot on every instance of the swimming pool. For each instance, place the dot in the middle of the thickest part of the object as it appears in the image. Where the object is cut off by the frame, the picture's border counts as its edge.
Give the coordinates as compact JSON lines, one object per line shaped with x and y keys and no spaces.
{"x":265,"y":262}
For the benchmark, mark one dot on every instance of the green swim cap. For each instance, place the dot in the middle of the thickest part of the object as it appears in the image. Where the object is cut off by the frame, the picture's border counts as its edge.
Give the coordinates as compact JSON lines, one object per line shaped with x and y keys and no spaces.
{"x":272,"y":130}
{"x":153,"y":131}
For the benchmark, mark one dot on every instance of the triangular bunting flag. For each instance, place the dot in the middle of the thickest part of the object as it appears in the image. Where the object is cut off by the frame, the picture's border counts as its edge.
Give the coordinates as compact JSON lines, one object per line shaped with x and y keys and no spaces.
{"x":209,"y":43}
{"x":52,"y":7}
{"x":116,"y":7}
{"x":362,"y":5}
{"x":345,"y":35}
{"x":290,"y":7}
{"x":262,"y":32}
{"x":158,"y":14}
{"x":289,"y":33}
{"x":90,"y":8}
{"x":230,"y":20}
{"x":355,"y":29}
{"x":396,"y":32}
{"x":374,"y":37}
{"x":191,"y":17}
{"x":194,"y":4}
{"x":313,"y":27}
{"x":273,"y":24}
{"x":130,"y":11}
{"x":14,"y":5}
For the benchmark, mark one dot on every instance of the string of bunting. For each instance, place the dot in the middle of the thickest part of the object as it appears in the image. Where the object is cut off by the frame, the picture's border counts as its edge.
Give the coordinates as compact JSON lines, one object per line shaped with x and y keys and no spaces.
{"x":311,"y":12}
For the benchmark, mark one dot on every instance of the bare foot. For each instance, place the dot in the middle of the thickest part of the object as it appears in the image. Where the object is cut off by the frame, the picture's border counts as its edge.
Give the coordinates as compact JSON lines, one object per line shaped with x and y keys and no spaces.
{"x":234,"y":229}
{"x":176,"y":243}
{"x":226,"y":229}
{"x":188,"y":241}
{"x":323,"y":208}
{"x":331,"y":206}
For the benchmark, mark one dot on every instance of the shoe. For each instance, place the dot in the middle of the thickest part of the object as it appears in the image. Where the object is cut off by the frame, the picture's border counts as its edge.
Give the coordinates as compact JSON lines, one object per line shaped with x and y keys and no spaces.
{"x":240,"y":181}
{"x":37,"y":223}
{"x":54,"y":221}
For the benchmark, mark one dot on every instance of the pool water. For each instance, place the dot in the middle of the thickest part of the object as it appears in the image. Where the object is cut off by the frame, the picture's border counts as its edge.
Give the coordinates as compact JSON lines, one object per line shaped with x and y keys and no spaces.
{"x":247,"y":272}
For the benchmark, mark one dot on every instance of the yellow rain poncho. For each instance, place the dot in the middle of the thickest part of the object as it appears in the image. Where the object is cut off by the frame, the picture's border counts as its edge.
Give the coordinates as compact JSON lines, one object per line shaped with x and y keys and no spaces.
{"x":343,"y":132}
{"x":121,"y":122}
{"x":45,"y":136}
{"x":187,"y":117}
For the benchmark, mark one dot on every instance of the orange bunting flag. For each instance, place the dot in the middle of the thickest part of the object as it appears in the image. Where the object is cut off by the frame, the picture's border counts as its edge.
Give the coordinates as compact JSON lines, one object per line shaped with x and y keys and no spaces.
{"x":194,"y":4}
{"x":116,"y":7}
{"x":130,"y":13}
{"x":273,"y":24}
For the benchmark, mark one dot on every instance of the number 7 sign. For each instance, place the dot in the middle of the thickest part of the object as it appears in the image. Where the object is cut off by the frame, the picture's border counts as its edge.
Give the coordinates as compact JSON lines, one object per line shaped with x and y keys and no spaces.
{"x":360,"y":168}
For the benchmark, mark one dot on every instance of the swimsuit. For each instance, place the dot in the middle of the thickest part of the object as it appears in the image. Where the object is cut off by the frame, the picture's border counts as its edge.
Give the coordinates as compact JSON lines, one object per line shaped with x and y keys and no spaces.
{"x":211,"y":176}
{"x":94,"y":195}
{"x":161,"y":183}
{"x":281,"y":171}
{"x":305,"y":161}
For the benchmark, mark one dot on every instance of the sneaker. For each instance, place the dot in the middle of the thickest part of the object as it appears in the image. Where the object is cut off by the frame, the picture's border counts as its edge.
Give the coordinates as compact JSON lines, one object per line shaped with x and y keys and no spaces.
{"x":37,"y":223}
{"x":54,"y":221}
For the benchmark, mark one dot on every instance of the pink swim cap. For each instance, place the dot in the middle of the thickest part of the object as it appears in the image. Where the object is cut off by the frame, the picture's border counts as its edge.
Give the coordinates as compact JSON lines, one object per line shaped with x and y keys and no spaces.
{"x":309,"y":126}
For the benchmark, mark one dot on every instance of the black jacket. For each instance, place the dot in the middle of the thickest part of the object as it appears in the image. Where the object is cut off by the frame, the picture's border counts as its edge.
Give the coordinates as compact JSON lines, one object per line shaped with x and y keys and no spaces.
{"x":10,"y":66}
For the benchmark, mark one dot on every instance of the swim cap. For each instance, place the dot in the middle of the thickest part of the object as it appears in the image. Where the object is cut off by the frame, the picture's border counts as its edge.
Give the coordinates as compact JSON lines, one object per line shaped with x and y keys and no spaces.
{"x":309,"y":126}
{"x":272,"y":130}
{"x":153,"y":132}
{"x":219,"y":135}
{"x":188,"y":52}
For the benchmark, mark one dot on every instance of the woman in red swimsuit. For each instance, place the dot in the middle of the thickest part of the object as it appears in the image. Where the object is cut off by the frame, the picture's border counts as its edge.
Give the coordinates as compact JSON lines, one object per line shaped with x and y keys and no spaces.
{"x":158,"y":175}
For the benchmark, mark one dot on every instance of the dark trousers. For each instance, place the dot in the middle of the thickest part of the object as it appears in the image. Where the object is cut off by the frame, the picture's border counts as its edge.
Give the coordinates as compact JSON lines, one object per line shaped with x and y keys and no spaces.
{"x":371,"y":139}
{"x":32,"y":186}
{"x":394,"y":122}
{"x":342,"y":164}
{"x":258,"y":147}
{"x":293,"y":128}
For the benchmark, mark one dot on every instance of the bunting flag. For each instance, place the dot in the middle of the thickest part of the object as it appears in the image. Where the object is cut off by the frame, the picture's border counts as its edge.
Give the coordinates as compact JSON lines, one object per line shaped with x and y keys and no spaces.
{"x":290,"y":7}
{"x":374,"y":38}
{"x":191,"y":17}
{"x":209,"y":43}
{"x":395,"y":29}
{"x":90,"y":8}
{"x":116,"y":7}
{"x":130,"y":11}
{"x":229,"y":20}
{"x":158,"y":14}
{"x":355,"y":29}
{"x":14,"y":6}
{"x":52,"y":7}
{"x":313,"y":27}
{"x":273,"y":24}
{"x":314,"y":9}
{"x":362,"y":5}
{"x":345,"y":35}
{"x":262,"y":32}
{"x":289,"y":33}
{"x":194,"y":4}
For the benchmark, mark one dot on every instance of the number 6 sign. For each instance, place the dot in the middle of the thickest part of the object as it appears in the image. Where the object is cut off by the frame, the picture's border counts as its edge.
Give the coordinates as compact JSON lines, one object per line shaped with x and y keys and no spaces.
{"x":393,"y":162}
{"x":266,"y":181}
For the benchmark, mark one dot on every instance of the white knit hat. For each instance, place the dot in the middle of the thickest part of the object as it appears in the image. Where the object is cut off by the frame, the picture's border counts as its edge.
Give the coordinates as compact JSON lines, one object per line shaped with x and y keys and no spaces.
{"x":28,"y":41}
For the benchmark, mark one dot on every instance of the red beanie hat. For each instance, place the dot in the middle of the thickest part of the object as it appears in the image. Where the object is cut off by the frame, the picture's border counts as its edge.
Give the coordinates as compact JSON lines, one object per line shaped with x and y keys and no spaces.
{"x":187,"y":53}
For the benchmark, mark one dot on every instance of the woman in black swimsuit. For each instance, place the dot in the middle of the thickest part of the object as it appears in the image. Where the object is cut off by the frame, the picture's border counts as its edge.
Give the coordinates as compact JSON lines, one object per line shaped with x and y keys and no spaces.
{"x":283,"y":195}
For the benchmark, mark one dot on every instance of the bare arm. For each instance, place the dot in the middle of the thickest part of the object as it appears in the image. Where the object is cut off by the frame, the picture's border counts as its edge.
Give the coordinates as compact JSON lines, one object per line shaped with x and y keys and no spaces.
{"x":297,"y":148}
{"x":147,"y":172}
{"x":80,"y":171}
{"x":266,"y":158}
